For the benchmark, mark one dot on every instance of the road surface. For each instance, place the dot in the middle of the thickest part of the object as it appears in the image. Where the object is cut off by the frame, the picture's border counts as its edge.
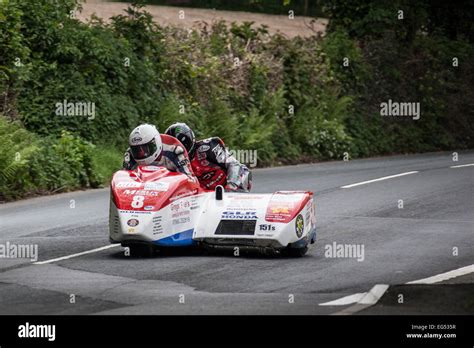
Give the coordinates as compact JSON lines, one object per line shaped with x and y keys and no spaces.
{"x":433,"y":233}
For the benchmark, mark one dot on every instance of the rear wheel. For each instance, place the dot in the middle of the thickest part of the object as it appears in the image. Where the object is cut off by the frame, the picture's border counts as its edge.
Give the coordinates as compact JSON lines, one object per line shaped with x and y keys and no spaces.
{"x":296,"y":252}
{"x":141,"y":250}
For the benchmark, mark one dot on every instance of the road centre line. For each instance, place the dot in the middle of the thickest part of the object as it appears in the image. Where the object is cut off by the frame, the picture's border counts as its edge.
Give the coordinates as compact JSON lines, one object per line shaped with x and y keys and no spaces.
{"x":379,"y":179}
{"x":76,"y":255}
{"x":445,"y":276}
{"x":463,"y":165}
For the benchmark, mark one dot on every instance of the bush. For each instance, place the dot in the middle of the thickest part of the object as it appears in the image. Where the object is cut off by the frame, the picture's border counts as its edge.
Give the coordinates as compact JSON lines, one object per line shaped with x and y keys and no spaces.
{"x":292,"y":100}
{"x":30,"y":164}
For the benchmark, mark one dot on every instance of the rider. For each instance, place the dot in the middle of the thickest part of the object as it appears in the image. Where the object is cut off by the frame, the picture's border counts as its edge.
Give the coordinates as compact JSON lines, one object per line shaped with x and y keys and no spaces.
{"x":211,"y":162}
{"x":148,"y":147}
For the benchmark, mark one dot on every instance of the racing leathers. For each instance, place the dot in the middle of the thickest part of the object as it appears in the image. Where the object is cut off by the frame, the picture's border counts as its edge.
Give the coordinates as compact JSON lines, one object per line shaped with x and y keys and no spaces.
{"x":173,"y":157}
{"x":213,"y":165}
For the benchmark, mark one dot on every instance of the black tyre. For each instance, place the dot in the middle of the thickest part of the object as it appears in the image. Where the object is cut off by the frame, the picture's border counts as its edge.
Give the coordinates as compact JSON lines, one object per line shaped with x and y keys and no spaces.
{"x":141,"y":250}
{"x":297,"y":252}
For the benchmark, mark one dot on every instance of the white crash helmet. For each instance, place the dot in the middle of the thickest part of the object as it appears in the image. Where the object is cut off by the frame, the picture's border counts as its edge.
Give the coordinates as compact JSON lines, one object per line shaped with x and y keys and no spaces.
{"x":145,"y":144}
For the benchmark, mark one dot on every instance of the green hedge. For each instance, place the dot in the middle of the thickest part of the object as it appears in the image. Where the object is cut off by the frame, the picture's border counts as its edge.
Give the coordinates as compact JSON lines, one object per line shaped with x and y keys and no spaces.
{"x":289,"y":99}
{"x":30,"y":164}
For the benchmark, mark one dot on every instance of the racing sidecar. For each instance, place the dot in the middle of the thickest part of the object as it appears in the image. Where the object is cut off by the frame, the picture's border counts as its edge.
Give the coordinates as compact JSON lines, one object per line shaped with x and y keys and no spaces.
{"x":153,"y":208}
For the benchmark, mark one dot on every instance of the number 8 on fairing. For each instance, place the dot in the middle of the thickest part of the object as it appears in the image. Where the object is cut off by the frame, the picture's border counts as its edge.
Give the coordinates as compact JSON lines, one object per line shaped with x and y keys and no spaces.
{"x":138,"y":201}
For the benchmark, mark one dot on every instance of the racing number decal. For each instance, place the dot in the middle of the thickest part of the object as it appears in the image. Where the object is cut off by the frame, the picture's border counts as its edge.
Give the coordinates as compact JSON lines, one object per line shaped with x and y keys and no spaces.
{"x":137,"y":201}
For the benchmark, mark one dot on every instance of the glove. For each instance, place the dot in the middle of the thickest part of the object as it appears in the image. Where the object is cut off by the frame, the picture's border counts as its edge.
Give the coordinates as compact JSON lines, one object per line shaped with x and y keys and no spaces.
{"x":231,"y":187}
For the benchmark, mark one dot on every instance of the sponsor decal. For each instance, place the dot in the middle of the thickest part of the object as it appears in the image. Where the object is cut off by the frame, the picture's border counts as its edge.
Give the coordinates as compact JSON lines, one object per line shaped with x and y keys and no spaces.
{"x":219,"y":178}
{"x":239,"y":215}
{"x":313,"y":213}
{"x":183,"y":163}
{"x":181,"y":220}
{"x":148,"y":207}
{"x":131,"y":230}
{"x":180,"y":213}
{"x":240,"y":207}
{"x":246,"y":197}
{"x":287,"y":197}
{"x":134,"y":212}
{"x":299,"y":225}
{"x":184,"y":194}
{"x":220,"y":153}
{"x":157,"y":227}
{"x":266,"y":227}
{"x":157,"y":186}
{"x":133,"y":222}
{"x":308,"y":216}
{"x":280,"y":210}
{"x":208,"y":175}
{"x":180,"y":206}
{"x":127,"y":184}
{"x":201,"y":155}
{"x":151,"y":168}
{"x":136,"y":140}
{"x":203,"y":148}
{"x":180,"y":209}
{"x":141,"y":193}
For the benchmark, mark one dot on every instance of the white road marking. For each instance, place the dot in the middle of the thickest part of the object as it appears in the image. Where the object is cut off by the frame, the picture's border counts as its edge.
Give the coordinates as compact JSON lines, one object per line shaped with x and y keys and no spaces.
{"x":445,"y":276}
{"x":373,"y":295}
{"x":346,"y":300}
{"x":369,"y":299}
{"x":75,"y":255}
{"x":463,"y":165}
{"x":364,"y":298}
{"x":379,"y":179}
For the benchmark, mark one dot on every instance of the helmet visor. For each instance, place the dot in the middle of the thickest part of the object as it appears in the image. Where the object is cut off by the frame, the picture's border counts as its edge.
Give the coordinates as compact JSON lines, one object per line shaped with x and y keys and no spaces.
{"x":140,"y":152}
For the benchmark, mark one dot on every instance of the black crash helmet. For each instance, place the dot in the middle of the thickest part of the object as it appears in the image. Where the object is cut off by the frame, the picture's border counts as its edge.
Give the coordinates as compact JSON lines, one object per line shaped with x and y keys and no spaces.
{"x":183,"y":133}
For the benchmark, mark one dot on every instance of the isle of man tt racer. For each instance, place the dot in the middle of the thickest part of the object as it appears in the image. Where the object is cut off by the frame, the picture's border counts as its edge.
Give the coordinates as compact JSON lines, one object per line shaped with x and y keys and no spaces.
{"x":149,"y":147}
{"x":211,"y":162}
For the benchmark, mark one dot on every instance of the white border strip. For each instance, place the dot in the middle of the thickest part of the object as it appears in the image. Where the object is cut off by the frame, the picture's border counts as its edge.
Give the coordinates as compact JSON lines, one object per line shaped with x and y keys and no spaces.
{"x":346,"y":300}
{"x":76,"y":255}
{"x":362,"y":298}
{"x":373,"y":295}
{"x":445,"y":276}
{"x":463,"y":165}
{"x":379,"y":179}
{"x":366,"y":301}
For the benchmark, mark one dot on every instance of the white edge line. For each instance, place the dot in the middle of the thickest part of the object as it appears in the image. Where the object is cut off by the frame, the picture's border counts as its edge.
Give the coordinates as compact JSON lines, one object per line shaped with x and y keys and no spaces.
{"x":379,"y":179}
{"x":365,"y":298}
{"x":463,"y":165}
{"x":373,"y":295}
{"x":75,"y":255}
{"x":346,"y":300}
{"x":445,"y":276}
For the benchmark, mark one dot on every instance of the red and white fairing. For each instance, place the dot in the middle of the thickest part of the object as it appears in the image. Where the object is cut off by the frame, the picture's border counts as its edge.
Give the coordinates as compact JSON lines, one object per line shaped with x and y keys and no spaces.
{"x":261,"y":220}
{"x":154,"y":205}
